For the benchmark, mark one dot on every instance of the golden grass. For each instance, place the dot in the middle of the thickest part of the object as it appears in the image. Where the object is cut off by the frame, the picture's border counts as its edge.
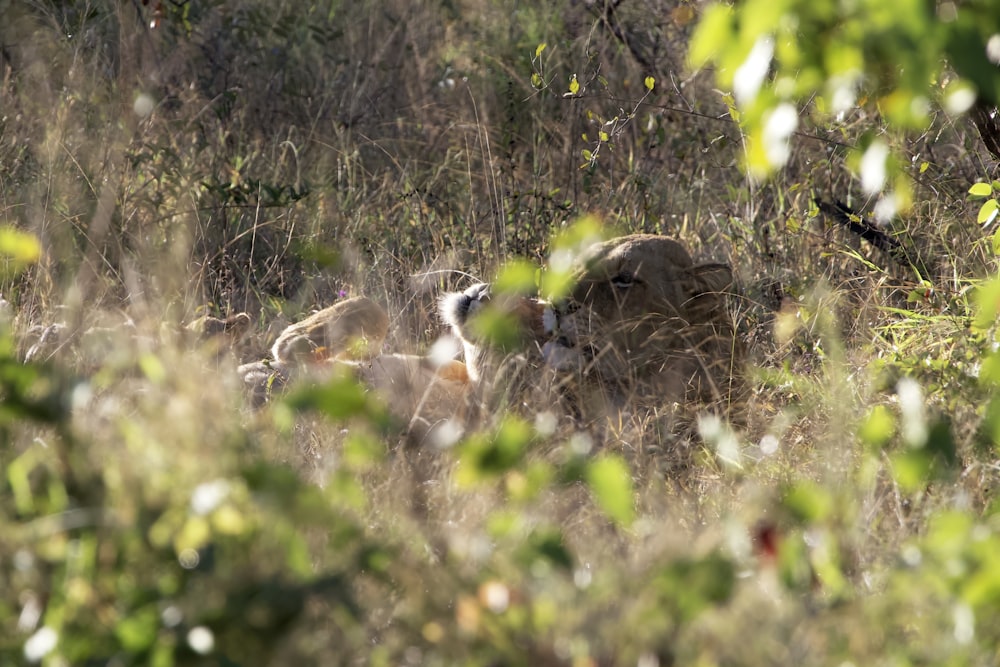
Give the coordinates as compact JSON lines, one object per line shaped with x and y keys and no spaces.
{"x":290,"y":157}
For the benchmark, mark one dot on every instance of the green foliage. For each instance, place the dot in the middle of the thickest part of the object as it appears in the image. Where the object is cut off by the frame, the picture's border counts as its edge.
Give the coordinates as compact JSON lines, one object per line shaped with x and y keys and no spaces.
{"x":896,"y":56}
{"x":488,"y":456}
{"x":610,"y":480}
{"x":689,"y":587}
{"x":18,"y":250}
{"x":567,"y":247}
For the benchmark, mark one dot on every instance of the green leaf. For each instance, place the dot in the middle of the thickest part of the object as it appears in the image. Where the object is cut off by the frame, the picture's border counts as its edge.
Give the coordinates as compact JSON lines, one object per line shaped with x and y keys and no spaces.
{"x":517,"y":277}
{"x":911,"y":469}
{"x":877,"y":428}
{"x":344,"y":486}
{"x":362,"y":451}
{"x":567,"y":247}
{"x":545,"y":546}
{"x":691,"y":586}
{"x":137,"y":631}
{"x":987,"y":298}
{"x":20,"y":249}
{"x":809,"y":502}
{"x":948,"y":533}
{"x":153,"y":368}
{"x":987,"y":212}
{"x":339,"y":398}
{"x":981,"y":190}
{"x":499,"y":326}
{"x":484,"y":457}
{"x":525,"y":486}
{"x":714,"y":31}
{"x":610,"y":481}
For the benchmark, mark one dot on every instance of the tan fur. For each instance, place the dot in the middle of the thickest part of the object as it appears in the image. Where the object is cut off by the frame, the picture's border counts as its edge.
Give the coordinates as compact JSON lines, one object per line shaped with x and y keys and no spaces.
{"x":646,"y":323}
{"x":350,"y":329}
{"x":347,"y":337}
{"x":524,"y":320}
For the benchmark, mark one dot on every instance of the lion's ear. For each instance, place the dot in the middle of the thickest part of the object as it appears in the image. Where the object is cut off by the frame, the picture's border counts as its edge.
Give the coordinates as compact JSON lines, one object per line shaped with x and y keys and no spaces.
{"x":709,"y":279}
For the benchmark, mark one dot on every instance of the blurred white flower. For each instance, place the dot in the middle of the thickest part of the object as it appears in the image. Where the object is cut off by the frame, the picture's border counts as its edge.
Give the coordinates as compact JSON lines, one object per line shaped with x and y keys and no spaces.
{"x":201,"y":640}
{"x":750,"y":75}
{"x":208,"y":496}
{"x":873,"y":167}
{"x":780,"y":125}
{"x":40,"y":644}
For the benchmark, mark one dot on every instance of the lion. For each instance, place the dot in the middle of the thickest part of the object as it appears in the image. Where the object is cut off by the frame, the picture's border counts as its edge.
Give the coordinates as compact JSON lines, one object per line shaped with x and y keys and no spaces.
{"x":351,"y":329}
{"x":643,"y":326}
{"x":421,"y":392}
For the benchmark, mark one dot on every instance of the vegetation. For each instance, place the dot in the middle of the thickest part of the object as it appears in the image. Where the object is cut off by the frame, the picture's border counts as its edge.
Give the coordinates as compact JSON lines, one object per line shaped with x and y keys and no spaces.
{"x":164,"y":161}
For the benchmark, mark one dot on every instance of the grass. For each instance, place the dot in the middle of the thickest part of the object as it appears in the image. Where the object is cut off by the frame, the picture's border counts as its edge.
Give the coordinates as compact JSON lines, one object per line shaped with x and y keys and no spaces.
{"x":294,"y":153}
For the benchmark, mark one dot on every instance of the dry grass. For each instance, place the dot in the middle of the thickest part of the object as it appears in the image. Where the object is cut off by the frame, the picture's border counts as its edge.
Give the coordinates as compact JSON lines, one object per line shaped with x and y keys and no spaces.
{"x":290,"y":156}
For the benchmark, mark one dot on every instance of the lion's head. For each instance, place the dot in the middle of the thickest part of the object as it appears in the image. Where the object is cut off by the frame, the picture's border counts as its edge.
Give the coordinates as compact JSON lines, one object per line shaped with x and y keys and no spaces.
{"x":645,"y":320}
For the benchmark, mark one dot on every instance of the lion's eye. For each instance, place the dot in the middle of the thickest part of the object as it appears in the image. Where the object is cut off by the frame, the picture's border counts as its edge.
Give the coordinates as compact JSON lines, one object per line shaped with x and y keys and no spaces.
{"x":623,"y":280}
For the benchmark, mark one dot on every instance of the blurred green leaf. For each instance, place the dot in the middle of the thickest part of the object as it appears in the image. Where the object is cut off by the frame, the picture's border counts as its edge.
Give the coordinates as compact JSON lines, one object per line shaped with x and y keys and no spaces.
{"x":499,"y":327}
{"x":610,"y":480}
{"x":19,"y":249}
{"x":341,"y":397}
{"x":137,"y":631}
{"x":877,"y":428}
{"x":487,"y":456}
{"x":362,"y":451}
{"x":346,"y":488}
{"x":911,"y":469}
{"x":948,"y":533}
{"x":568,"y":246}
{"x":937,"y":458}
{"x":524,"y":486}
{"x":693,"y":585}
{"x":808,"y":502}
{"x":503,"y":523}
{"x":987,"y":299}
{"x":547,"y":546}
{"x":713,"y":32}
{"x":152,"y":368}
{"x":941,"y":446}
{"x":794,"y":567}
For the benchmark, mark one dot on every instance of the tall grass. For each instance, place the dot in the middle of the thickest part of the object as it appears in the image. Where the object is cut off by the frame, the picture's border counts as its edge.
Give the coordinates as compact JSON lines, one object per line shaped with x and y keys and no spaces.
{"x":267,"y":157}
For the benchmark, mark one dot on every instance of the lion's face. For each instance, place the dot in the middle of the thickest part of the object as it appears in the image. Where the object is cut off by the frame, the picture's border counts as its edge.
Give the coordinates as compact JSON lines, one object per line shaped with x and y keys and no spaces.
{"x":642,"y":313}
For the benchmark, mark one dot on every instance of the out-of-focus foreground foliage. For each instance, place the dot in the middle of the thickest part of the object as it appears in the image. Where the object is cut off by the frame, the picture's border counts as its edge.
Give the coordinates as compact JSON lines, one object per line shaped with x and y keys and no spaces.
{"x":906,"y":59}
{"x":162,"y":161}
